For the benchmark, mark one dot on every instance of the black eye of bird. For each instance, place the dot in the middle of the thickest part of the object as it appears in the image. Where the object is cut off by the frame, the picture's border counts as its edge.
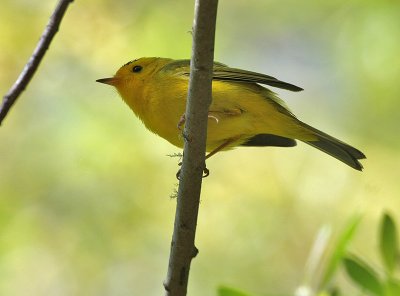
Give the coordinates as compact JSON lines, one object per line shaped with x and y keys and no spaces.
{"x":137,"y":69}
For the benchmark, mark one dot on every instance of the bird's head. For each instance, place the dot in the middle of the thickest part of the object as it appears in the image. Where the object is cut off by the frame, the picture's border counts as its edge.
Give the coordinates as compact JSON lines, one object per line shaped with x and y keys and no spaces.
{"x":132,"y":76}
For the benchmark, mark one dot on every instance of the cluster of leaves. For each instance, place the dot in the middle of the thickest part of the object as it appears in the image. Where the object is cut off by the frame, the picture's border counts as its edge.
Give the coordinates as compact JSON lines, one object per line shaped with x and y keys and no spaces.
{"x":373,"y":281}
{"x":321,"y":269}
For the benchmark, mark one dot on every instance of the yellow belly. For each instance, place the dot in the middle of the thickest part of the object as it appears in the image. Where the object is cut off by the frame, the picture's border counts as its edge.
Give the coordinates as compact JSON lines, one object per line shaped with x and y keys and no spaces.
{"x":236,"y":112}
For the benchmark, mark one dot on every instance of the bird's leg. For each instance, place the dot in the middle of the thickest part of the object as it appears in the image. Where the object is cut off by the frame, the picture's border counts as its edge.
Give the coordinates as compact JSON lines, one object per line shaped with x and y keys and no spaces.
{"x":178,"y":173}
{"x":181,"y":122}
{"x":206,"y":172}
{"x":211,"y":116}
{"x":182,"y":119}
{"x":222,"y":146}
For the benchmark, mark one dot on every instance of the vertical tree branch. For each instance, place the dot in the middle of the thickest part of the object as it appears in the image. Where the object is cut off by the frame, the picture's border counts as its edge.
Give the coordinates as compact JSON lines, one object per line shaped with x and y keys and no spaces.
{"x":198,"y":102}
{"x":30,"y":68}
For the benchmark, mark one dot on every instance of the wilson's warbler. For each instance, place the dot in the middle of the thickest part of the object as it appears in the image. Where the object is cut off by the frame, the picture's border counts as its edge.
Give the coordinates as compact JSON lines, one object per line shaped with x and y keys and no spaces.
{"x":242,"y":112}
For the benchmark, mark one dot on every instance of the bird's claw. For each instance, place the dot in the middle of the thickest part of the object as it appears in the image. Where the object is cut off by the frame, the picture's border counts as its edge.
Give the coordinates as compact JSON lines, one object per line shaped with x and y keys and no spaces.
{"x":178,"y":174}
{"x":206,"y":172}
{"x":213,"y":117}
{"x":181,"y":122}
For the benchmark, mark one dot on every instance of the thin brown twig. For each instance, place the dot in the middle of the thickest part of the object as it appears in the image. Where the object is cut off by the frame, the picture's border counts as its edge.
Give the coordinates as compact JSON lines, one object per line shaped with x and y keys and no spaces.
{"x":183,"y":249}
{"x":30,"y":68}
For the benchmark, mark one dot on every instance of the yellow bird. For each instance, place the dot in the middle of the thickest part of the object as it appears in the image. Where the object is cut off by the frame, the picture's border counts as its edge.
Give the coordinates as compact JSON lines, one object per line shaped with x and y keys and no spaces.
{"x":242,"y":112}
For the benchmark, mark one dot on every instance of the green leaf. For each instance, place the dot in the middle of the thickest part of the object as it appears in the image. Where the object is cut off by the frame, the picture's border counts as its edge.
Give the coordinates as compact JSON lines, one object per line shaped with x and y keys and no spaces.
{"x":388,"y":243}
{"x":334,"y":291}
{"x":324,"y":293}
{"x":227,"y":291}
{"x":340,"y":249}
{"x":392,"y":288}
{"x":329,"y":292}
{"x":363,"y":275}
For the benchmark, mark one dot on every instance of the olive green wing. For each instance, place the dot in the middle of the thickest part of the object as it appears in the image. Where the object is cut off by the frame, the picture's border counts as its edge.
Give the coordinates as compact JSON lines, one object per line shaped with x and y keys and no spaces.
{"x":233,"y":74}
{"x":225,"y":73}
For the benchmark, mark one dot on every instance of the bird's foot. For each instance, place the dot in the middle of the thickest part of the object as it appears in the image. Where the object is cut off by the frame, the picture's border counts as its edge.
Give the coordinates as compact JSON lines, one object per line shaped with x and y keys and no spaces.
{"x":182,"y":119}
{"x":210,"y":116}
{"x":178,"y":174}
{"x":181,"y":122}
{"x":206,"y":172}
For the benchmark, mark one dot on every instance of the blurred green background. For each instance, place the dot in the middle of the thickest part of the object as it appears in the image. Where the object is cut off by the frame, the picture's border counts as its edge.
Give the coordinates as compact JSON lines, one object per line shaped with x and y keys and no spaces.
{"x":85,"y":205}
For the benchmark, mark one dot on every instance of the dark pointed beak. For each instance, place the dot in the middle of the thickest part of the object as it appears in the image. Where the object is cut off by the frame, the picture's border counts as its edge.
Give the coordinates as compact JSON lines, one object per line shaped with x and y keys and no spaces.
{"x":111,"y":81}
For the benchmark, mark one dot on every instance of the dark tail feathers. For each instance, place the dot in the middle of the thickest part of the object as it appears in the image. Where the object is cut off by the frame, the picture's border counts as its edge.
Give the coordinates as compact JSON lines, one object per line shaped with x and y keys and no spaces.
{"x":336,"y":148}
